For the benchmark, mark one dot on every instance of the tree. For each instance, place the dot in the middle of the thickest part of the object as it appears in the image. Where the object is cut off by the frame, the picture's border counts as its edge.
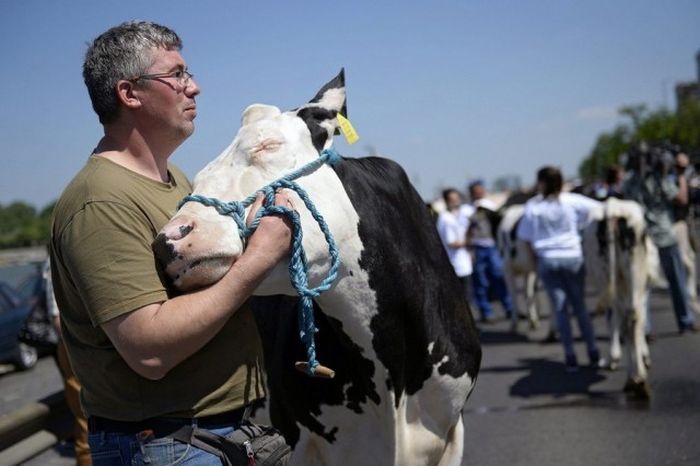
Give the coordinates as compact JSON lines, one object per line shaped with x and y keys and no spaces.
{"x":21,"y":225}
{"x":606,"y":152}
{"x":681,"y":128}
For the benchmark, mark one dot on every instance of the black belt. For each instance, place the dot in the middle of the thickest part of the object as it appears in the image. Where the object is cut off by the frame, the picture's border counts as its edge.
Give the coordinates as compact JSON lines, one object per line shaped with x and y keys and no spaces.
{"x":163,"y":426}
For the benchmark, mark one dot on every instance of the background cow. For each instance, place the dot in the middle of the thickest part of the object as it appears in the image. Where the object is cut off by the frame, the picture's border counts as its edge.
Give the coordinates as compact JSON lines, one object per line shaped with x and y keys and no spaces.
{"x":394,"y":326}
{"x":622,"y":261}
{"x":518,"y":265}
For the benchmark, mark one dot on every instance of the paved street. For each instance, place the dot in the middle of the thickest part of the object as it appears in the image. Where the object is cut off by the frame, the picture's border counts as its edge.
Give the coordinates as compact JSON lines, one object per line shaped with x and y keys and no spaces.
{"x":526,"y":410}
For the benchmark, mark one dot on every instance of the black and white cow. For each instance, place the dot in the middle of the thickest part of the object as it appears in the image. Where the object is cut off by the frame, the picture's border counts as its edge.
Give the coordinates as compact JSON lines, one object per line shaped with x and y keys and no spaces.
{"x":622,"y":261}
{"x":519,"y":264}
{"x":394,"y":325}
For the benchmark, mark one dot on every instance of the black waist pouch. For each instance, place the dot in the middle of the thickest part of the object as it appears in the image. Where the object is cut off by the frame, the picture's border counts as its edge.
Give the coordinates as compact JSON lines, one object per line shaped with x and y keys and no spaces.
{"x":250,"y":444}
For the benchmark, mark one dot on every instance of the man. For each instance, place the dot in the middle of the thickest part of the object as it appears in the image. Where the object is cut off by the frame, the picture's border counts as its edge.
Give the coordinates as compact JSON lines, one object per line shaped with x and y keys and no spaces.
{"x":488,"y":265}
{"x":682,"y":222}
{"x":652,"y":186}
{"x":149,"y":361}
{"x":551,"y":224}
{"x":452,"y":227}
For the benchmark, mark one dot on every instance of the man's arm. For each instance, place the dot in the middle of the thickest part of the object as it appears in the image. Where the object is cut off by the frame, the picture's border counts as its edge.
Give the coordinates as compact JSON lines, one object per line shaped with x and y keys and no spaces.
{"x":157,"y":337}
{"x":682,"y":196}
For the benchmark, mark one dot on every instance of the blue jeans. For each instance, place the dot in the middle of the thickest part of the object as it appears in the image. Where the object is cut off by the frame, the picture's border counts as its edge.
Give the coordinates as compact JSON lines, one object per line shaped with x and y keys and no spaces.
{"x":563,"y":278}
{"x":120,"y":449}
{"x":675,"y":275}
{"x":488,"y":274}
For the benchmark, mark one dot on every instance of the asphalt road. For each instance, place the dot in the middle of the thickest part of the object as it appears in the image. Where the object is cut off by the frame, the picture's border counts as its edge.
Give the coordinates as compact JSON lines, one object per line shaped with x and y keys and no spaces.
{"x":526,"y":410}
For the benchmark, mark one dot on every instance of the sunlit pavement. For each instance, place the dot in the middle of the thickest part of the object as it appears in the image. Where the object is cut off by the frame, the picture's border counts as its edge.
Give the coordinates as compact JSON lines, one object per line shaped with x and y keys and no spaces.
{"x":526,"y":410}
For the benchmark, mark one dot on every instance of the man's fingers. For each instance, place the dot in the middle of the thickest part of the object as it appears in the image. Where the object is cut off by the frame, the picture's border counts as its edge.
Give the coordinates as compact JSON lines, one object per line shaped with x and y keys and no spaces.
{"x":254,"y":208}
{"x":282,"y":198}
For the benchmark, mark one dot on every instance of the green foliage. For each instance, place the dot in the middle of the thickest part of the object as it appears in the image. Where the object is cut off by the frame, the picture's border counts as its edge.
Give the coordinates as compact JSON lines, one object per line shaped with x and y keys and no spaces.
{"x":681,"y":128}
{"x":21,"y":225}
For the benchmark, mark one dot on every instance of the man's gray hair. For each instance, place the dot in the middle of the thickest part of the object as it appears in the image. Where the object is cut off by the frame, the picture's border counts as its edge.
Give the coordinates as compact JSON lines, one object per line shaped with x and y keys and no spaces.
{"x":122,"y":52}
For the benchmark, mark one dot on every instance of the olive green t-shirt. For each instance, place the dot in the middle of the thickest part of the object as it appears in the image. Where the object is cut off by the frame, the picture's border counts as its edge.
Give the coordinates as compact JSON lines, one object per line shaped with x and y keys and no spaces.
{"x":103,"y":266}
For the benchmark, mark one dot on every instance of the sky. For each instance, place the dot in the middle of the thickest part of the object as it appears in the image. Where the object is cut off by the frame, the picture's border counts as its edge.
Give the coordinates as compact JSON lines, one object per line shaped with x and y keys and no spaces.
{"x":452,"y":90}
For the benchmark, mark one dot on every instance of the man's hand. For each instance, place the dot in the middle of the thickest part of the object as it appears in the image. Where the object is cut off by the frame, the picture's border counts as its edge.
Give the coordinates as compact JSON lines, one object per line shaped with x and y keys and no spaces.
{"x":272,"y":238}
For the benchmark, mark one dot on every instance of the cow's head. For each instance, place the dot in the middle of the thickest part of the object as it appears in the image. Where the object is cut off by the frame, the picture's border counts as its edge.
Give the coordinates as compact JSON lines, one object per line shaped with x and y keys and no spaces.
{"x":198,"y":245}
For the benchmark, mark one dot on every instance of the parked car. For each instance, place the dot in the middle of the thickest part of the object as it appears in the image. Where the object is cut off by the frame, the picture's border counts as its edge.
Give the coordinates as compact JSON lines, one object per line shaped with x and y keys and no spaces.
{"x":14,"y":311}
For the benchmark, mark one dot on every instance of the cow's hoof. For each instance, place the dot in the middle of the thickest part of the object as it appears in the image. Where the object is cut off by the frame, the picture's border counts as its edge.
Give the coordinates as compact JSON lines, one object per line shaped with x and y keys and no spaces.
{"x":638,"y":389}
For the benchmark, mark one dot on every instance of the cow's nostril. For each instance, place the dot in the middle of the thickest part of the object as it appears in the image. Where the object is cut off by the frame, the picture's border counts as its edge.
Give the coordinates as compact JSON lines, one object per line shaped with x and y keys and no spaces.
{"x":164,"y":251}
{"x":185,"y":230}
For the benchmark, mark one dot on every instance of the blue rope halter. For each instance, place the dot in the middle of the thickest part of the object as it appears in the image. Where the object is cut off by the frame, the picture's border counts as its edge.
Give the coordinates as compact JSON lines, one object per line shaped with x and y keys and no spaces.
{"x":298,"y":268}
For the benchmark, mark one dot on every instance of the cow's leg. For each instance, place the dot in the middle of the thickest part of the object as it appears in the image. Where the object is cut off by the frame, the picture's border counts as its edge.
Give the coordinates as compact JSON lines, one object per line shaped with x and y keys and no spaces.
{"x":614,"y":325}
{"x":637,"y":381}
{"x":454,"y":451}
{"x":530,"y":296}
{"x":638,"y":350}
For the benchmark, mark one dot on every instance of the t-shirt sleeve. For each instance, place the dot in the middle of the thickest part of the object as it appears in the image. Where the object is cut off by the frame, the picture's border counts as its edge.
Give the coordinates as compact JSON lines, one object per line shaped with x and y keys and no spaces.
{"x":107,"y":246}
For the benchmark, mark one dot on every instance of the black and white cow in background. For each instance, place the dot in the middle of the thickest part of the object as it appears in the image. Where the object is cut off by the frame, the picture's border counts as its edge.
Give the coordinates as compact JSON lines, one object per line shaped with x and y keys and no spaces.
{"x":518,"y":265}
{"x":623,"y":262}
{"x":394,"y":326}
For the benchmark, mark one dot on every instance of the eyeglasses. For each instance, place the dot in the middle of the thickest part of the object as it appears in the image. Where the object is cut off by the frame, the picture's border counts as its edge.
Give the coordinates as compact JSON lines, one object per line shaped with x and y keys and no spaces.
{"x":182,"y":77}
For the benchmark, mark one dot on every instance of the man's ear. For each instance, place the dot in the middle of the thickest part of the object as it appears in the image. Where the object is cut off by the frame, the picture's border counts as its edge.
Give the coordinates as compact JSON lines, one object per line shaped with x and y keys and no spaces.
{"x":321,"y":111}
{"x":127,"y":95}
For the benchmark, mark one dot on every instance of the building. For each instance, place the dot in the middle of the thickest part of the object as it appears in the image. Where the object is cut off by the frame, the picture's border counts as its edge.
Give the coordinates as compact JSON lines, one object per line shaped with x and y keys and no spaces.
{"x":687,"y":91}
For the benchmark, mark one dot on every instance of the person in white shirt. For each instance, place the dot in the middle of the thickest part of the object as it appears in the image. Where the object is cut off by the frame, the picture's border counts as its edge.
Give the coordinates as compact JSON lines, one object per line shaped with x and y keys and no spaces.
{"x":551,"y":225}
{"x":452,"y":226}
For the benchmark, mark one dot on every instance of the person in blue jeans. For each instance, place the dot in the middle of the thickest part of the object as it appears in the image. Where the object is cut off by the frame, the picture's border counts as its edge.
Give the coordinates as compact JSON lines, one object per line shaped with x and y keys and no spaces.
{"x":653,"y":186}
{"x":551,"y":225}
{"x":488,"y":266}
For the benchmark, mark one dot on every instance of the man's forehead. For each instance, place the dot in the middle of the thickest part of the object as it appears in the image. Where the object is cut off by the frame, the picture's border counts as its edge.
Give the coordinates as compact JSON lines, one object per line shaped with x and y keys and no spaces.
{"x":169,"y":59}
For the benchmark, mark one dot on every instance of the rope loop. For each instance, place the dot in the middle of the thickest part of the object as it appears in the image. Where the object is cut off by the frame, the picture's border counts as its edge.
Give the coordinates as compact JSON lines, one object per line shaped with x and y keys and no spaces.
{"x":298,"y":267}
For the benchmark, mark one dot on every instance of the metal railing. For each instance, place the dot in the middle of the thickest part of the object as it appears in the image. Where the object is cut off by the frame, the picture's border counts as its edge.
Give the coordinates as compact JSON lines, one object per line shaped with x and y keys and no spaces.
{"x":33,"y":429}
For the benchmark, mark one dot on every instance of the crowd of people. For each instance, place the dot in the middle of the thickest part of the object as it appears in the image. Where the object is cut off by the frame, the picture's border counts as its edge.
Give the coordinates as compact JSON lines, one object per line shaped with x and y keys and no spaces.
{"x":551,"y":226}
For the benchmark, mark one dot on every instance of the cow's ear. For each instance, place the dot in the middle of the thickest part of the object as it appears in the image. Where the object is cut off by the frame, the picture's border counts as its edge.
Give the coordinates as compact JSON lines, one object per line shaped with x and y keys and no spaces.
{"x":332,"y":95}
{"x":321,"y":111}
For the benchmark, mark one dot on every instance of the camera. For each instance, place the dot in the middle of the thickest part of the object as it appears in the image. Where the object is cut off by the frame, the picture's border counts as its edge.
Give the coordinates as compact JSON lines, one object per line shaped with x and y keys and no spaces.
{"x":643,"y":158}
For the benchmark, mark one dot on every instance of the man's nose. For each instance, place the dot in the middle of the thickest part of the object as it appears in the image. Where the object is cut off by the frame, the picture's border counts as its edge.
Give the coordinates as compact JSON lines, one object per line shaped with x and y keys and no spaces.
{"x":192,"y":88}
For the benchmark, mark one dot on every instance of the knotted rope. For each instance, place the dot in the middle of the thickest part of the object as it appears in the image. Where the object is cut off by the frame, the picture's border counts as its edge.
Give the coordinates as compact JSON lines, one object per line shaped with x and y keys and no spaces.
{"x":298,"y":267}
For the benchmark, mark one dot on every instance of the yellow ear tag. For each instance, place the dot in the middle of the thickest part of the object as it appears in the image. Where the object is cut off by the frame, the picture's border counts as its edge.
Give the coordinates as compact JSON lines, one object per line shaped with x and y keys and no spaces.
{"x":346,"y":128}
